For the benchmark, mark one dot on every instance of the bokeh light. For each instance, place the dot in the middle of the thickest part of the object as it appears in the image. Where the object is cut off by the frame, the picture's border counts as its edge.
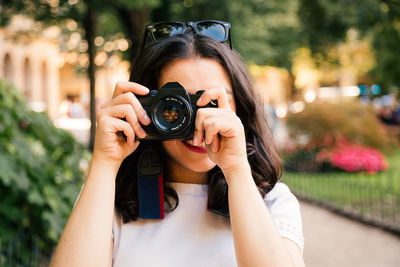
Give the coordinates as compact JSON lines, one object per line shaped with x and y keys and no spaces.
{"x":310,"y":96}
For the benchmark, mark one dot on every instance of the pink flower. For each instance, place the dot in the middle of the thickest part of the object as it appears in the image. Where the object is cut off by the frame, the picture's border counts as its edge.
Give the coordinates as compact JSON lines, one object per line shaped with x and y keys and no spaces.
{"x":355,"y":158}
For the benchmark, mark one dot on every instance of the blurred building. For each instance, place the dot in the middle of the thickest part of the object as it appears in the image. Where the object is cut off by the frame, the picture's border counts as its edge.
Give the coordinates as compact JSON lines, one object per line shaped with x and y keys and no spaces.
{"x":50,"y":79}
{"x":30,"y":63}
{"x":273,"y":84}
{"x":55,"y":81}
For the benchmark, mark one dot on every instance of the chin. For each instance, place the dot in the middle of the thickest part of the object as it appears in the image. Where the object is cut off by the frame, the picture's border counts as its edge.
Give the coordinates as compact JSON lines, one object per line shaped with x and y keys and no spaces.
{"x":188,"y":157}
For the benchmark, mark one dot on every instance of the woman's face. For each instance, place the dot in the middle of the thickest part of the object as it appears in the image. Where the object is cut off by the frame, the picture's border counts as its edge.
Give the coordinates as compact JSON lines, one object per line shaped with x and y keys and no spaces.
{"x":194,"y":74}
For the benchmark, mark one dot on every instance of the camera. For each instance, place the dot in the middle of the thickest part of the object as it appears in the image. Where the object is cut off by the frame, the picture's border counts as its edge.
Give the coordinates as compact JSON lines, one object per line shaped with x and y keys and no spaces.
{"x":172,"y":111}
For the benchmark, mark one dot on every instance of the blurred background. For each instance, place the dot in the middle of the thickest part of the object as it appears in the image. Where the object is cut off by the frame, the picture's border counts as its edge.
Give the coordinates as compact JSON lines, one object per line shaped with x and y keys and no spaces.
{"x":328,"y":72}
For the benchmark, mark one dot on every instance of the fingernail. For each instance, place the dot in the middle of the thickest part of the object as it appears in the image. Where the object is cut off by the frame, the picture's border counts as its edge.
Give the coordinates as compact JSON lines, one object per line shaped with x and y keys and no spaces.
{"x":142,"y":132}
{"x":208,"y":141}
{"x":146,"y":119}
{"x":195,"y":140}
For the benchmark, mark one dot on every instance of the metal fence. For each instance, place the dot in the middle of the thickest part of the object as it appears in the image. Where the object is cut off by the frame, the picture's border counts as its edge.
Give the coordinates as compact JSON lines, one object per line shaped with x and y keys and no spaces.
{"x":372,"y":199}
{"x":22,"y":251}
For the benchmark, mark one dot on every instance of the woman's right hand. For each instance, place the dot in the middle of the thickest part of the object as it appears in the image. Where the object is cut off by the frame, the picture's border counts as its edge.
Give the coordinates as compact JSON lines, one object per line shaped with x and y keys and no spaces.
{"x":110,"y":146}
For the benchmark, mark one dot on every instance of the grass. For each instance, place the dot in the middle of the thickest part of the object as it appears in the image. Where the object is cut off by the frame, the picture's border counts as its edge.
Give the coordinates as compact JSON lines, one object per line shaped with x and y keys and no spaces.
{"x":371,"y":196}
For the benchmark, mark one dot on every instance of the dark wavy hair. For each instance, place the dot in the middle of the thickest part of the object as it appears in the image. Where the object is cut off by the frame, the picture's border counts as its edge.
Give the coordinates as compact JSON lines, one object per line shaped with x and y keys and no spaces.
{"x":266,"y":165}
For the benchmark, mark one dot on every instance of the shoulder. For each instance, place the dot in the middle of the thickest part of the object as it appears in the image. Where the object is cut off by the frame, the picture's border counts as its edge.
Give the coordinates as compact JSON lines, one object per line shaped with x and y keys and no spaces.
{"x":283,"y":204}
{"x":279,"y":195}
{"x":285,"y":212}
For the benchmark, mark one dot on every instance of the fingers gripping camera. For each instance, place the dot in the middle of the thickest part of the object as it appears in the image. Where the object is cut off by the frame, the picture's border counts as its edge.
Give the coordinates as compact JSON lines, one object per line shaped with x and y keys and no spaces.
{"x":172,"y":112}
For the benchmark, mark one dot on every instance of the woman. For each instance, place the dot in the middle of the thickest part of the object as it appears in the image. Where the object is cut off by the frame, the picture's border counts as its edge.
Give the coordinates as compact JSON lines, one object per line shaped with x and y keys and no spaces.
{"x":231,"y":148}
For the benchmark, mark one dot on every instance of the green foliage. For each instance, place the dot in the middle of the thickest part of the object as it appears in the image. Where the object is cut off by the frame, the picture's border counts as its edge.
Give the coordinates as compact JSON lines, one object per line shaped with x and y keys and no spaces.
{"x":40,"y":175}
{"x":303,"y":160}
{"x":357,"y":123}
{"x":264,"y":32}
{"x":137,"y":4}
{"x":387,"y":70}
{"x":325,"y":23}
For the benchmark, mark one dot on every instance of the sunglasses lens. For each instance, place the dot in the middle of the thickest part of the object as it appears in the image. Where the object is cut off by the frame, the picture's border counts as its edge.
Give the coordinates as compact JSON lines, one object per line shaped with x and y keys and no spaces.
{"x":167,"y":30}
{"x":212,"y":29}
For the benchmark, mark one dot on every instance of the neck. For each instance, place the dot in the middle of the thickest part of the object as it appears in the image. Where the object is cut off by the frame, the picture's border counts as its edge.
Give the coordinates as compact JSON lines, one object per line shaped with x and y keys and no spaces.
{"x":174,"y":172}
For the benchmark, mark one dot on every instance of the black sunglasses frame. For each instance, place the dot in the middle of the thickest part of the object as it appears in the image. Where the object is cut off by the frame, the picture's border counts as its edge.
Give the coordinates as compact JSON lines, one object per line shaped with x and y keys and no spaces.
{"x":185,"y":25}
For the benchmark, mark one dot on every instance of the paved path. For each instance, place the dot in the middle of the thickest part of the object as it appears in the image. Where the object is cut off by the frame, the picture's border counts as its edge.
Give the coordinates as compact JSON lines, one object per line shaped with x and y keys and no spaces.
{"x":333,"y":240}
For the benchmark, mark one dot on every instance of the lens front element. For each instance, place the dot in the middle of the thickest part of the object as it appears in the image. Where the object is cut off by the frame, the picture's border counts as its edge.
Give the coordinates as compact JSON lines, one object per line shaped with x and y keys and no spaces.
{"x":171,"y":115}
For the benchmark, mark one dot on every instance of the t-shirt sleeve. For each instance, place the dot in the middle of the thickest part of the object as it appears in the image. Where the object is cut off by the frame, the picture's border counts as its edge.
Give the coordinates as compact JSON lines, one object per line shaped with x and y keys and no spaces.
{"x":285,"y":212}
{"x":116,"y":231}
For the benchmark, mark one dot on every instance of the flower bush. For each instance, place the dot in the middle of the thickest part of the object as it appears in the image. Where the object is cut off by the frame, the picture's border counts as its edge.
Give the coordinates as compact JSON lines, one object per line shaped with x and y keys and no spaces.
{"x":321,"y":123}
{"x":334,"y":154}
{"x":352,"y":158}
{"x":331,"y":136}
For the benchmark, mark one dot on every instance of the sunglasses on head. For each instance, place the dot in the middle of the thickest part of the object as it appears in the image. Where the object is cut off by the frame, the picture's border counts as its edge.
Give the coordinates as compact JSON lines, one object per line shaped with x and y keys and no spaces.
{"x":218,"y":30}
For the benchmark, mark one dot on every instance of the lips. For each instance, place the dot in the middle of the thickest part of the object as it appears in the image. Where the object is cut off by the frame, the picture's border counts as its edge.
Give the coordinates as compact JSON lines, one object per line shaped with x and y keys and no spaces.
{"x":199,"y":149}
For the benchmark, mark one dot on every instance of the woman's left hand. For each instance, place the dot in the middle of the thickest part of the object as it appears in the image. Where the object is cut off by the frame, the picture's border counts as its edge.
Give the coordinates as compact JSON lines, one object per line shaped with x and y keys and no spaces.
{"x":222,"y":130}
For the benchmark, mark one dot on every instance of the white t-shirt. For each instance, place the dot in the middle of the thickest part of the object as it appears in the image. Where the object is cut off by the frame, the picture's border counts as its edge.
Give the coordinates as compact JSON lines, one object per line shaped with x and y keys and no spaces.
{"x":193,"y":236}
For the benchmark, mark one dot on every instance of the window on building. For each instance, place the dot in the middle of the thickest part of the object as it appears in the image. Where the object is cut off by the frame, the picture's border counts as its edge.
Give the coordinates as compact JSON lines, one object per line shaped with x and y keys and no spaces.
{"x":27,"y":90}
{"x":8,"y":68}
{"x":45,"y":97}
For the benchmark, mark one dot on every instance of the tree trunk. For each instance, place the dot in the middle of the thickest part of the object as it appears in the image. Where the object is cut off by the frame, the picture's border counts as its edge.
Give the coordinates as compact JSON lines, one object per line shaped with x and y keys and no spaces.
{"x":89,"y":25}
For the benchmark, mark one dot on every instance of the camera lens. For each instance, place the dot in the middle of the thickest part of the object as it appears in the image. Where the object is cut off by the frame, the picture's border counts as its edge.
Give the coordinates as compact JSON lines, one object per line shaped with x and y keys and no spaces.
{"x":171,"y":113}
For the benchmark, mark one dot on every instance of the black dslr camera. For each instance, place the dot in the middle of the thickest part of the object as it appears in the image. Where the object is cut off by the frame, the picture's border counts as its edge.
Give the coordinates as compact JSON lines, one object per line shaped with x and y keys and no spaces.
{"x":172,"y":112}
